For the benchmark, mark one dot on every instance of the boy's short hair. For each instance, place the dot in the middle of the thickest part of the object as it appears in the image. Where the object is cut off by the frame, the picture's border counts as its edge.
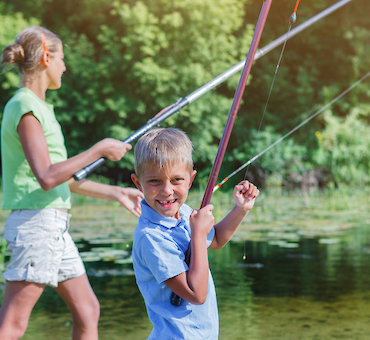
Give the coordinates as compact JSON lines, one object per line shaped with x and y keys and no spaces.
{"x":163,"y":147}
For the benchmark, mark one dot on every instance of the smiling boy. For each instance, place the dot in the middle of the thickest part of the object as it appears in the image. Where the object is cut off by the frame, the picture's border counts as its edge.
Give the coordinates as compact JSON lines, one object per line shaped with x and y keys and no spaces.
{"x":164,"y":173}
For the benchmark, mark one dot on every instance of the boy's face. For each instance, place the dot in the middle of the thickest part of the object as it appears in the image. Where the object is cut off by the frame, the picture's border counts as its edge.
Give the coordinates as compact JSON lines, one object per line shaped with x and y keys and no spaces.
{"x":165,"y":189}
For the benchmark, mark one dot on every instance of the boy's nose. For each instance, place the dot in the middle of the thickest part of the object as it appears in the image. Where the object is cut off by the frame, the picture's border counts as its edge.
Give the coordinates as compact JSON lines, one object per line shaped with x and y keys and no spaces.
{"x":167,"y":188}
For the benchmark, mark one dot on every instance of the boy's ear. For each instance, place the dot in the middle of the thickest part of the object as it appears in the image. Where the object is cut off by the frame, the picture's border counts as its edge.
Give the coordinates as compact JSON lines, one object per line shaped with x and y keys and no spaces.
{"x":136,"y":181}
{"x":192,"y":176}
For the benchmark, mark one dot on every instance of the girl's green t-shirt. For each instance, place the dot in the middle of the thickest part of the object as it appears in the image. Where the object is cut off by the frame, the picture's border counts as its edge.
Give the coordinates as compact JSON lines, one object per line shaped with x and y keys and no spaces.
{"x":21,"y":190}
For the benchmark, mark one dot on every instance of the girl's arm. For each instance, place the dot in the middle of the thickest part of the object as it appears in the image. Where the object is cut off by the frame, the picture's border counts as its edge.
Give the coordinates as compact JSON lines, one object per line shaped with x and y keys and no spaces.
{"x":192,"y":285}
{"x":244,"y":195}
{"x":129,"y":198}
{"x":37,"y":154}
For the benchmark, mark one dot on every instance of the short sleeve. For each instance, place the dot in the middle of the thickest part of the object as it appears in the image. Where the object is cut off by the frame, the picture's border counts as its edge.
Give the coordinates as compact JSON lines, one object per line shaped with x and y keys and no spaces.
{"x":21,"y":108}
{"x":162,"y":256}
{"x":210,"y":236}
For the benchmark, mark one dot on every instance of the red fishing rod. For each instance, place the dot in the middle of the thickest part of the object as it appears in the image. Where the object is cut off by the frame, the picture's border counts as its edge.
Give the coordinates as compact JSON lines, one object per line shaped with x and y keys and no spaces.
{"x":236,"y":103}
{"x":175,"y":299}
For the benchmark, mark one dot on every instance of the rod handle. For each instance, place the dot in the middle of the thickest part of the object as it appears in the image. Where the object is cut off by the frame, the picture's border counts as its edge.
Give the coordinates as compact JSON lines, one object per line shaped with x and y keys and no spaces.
{"x":88,"y":169}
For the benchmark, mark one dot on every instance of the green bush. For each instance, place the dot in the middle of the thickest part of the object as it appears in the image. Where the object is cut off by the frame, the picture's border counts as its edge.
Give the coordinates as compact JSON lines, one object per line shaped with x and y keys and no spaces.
{"x":344,"y":147}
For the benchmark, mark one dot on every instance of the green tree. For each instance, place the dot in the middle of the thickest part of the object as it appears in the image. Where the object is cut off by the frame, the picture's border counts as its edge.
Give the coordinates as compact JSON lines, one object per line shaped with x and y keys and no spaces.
{"x":10,"y":25}
{"x":128,"y":59}
{"x":317,"y":65}
{"x":345,"y":147}
{"x":141,"y":57}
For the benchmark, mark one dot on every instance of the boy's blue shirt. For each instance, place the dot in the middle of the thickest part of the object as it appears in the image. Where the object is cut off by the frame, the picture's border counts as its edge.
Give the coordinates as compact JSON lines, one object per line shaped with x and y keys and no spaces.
{"x":158,"y":254}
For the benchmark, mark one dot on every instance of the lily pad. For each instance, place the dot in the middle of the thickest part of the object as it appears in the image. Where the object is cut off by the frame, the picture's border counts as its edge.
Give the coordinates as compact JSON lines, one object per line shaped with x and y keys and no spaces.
{"x":328,"y":240}
{"x":283,"y":244}
{"x":110,"y":272}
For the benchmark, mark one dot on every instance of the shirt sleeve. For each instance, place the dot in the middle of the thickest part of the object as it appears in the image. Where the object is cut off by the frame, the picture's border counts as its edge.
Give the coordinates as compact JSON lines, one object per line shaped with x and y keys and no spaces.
{"x":210,"y":236}
{"x":21,"y":108}
{"x":162,"y":257}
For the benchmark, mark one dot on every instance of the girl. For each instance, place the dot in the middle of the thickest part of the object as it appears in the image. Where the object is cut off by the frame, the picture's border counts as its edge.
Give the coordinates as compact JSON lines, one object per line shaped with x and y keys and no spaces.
{"x":36,"y":188}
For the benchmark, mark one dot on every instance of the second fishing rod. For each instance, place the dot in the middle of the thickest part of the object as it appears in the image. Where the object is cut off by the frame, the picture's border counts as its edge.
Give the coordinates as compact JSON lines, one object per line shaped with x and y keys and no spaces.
{"x":182,"y":102}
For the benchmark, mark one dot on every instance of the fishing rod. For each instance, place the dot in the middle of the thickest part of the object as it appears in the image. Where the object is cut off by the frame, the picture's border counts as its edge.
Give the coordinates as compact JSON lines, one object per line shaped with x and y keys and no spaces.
{"x":236,"y":103}
{"x":216,"y":187}
{"x":175,"y":299}
{"x":182,"y":102}
{"x":293,"y":17}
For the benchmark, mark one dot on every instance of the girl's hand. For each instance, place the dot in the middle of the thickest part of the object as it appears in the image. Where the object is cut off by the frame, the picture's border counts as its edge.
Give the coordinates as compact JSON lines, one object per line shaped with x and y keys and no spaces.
{"x":245,"y":194}
{"x":202,"y":221}
{"x":112,"y":149}
{"x":130,"y":198}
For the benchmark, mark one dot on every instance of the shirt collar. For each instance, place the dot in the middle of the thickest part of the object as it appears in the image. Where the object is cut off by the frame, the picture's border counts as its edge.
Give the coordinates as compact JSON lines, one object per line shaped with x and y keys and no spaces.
{"x":156,"y":218}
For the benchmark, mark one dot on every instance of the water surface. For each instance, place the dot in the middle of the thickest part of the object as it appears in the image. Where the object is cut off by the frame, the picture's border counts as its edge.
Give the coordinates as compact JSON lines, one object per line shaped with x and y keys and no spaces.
{"x":306,"y":276}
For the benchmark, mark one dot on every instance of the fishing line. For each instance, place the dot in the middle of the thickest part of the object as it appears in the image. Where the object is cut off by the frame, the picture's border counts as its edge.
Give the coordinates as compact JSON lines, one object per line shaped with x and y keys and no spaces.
{"x":245,"y":251}
{"x":274,"y":77}
{"x":293,"y":130}
{"x":292,"y":20}
{"x":173,"y":109}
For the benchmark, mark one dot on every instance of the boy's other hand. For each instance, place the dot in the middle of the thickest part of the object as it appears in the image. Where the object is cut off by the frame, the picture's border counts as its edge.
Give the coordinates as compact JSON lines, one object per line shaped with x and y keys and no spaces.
{"x":202,"y":221}
{"x":245,"y":194}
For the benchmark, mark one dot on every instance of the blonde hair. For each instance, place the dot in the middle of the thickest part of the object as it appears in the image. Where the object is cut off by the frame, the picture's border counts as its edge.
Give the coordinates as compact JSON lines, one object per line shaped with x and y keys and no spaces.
{"x":163,"y":147}
{"x":27,"y":49}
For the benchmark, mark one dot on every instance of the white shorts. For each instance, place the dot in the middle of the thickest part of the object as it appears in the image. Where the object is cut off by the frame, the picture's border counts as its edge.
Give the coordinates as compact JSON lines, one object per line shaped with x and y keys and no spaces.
{"x":42,"y":250}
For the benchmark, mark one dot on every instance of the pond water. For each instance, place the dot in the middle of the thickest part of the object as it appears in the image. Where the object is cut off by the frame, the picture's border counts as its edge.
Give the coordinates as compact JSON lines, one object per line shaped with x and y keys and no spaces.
{"x":318,"y":290}
{"x":299,"y":285}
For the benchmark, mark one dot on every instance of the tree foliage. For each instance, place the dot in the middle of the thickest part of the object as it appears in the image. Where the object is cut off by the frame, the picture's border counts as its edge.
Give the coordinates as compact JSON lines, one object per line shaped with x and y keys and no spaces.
{"x":11,"y":24}
{"x":345,"y":147}
{"x":127,"y":60}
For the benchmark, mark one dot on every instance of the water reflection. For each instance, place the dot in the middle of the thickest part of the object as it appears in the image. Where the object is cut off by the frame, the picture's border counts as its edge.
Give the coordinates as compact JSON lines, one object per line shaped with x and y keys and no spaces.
{"x":319,"y":290}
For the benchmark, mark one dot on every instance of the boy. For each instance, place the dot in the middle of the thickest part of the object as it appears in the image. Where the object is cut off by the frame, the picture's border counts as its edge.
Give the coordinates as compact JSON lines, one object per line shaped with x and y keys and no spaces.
{"x":164,"y":173}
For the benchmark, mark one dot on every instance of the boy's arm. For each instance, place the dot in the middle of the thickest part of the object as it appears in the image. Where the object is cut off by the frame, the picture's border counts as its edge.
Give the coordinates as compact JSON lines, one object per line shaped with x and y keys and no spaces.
{"x":129,"y":198}
{"x":192,"y":285}
{"x":244,"y":195}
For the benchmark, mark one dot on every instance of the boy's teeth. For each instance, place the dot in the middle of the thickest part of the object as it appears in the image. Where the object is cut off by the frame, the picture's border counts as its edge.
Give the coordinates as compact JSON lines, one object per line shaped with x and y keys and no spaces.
{"x":166,"y":202}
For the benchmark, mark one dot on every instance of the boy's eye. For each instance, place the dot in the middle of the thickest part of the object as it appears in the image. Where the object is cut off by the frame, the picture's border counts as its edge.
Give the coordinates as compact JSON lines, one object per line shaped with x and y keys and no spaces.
{"x":177,"y":179}
{"x":153,"y":181}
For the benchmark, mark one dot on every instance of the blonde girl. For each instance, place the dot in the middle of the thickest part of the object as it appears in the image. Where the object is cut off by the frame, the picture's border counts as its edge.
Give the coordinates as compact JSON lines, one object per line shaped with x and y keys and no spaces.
{"x":37,"y":182}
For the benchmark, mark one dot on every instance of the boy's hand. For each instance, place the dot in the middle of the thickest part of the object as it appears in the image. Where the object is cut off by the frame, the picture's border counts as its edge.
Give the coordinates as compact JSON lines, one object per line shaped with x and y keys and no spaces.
{"x":245,"y":194}
{"x":202,"y":221}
